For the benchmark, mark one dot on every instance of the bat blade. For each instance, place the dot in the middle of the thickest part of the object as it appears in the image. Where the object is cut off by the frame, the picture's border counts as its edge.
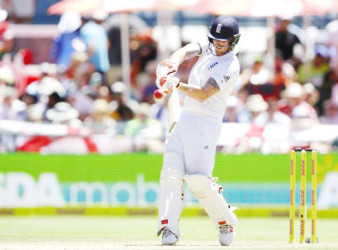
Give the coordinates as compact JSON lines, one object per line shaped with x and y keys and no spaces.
{"x":174,"y":109}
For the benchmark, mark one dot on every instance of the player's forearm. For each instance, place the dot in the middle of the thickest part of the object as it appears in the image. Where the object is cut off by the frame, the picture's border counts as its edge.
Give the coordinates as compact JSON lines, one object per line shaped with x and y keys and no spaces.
{"x":200,"y":93}
{"x":185,"y":53}
{"x":194,"y":92}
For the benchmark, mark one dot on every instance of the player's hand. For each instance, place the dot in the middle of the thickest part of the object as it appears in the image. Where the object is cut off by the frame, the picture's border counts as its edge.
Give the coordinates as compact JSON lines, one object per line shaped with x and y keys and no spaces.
{"x":166,"y":83}
{"x":166,"y":68}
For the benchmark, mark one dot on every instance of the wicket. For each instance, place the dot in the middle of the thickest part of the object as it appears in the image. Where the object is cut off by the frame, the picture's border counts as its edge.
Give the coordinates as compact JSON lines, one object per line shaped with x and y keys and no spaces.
{"x":303,"y":165}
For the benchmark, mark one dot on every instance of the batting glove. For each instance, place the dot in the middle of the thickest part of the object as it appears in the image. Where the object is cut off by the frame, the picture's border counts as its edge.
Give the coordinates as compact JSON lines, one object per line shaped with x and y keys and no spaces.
{"x":165,"y":83}
{"x":166,"y":68}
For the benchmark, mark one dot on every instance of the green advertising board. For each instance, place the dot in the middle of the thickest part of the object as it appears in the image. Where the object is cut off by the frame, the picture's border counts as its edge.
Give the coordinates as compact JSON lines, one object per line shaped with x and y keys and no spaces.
{"x":132,"y":180}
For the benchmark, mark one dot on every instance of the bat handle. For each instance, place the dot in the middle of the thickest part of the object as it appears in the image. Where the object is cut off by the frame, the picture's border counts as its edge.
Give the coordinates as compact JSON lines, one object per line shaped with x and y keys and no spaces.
{"x":172,"y":127}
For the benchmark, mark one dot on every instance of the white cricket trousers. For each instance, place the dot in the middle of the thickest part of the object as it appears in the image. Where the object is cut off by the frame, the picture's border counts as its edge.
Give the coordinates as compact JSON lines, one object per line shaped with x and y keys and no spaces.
{"x":189,"y":149}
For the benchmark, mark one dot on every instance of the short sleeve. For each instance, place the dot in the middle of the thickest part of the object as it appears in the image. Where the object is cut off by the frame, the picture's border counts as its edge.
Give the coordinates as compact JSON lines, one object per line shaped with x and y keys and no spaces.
{"x":227,"y":76}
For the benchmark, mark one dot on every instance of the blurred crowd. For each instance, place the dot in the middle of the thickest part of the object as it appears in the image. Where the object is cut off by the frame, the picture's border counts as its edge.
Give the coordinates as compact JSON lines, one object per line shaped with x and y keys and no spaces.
{"x":82,"y":85}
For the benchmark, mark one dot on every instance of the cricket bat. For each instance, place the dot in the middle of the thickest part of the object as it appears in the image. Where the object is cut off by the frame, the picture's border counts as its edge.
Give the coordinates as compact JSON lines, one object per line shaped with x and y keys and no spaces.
{"x":174,"y":109}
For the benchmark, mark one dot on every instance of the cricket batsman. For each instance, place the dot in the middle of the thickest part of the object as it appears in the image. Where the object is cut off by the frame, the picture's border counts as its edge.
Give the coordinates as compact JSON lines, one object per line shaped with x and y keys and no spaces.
{"x":190,"y":147}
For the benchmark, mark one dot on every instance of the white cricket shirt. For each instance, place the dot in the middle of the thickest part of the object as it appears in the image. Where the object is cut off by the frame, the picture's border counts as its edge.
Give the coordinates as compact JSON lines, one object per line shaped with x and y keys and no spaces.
{"x":225,"y":70}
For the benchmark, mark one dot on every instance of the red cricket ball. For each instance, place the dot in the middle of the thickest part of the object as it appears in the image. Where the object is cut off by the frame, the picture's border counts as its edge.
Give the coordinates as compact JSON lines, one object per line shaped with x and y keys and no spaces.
{"x":158,"y":94}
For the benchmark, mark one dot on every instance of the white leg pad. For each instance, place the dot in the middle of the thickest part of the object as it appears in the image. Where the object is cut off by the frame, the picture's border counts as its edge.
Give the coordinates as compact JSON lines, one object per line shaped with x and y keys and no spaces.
{"x":211,"y":199}
{"x":171,"y":200}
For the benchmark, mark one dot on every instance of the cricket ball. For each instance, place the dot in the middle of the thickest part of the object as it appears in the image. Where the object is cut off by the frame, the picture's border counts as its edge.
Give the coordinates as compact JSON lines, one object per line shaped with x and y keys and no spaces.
{"x":158,"y":95}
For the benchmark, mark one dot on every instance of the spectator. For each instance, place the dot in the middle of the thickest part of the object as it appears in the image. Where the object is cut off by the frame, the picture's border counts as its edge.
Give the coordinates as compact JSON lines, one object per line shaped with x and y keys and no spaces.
{"x":326,"y":90}
{"x":123,"y":108}
{"x":146,"y":132}
{"x":330,"y":115}
{"x":79,"y":66}
{"x":252,"y":141}
{"x":79,"y":89}
{"x":260,"y":80}
{"x":316,"y":71}
{"x":67,"y":83}
{"x":303,"y":115}
{"x":285,"y":73}
{"x":11,"y":108}
{"x":28,"y":99}
{"x":311,"y":94}
{"x":258,"y":74}
{"x":276,"y":132}
{"x":332,"y":31}
{"x":81,"y":101}
{"x":68,"y":41}
{"x":6,"y":34}
{"x":104,"y":92}
{"x":243,"y":94}
{"x":7,"y":80}
{"x":53,"y":99}
{"x":92,"y":87}
{"x":143,"y":50}
{"x":96,"y":39}
{"x":256,"y":105}
{"x":47,"y":84}
{"x":113,"y":25}
{"x":99,"y":120}
{"x":63,"y":113}
{"x":231,"y":111}
{"x":285,"y":39}
{"x":146,"y":85}
{"x":334,"y":95}
{"x":273,"y":115}
{"x":35,"y":113}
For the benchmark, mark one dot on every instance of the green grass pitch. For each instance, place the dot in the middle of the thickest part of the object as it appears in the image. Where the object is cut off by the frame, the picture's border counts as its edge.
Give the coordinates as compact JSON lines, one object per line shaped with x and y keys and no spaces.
{"x":139,"y":232}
